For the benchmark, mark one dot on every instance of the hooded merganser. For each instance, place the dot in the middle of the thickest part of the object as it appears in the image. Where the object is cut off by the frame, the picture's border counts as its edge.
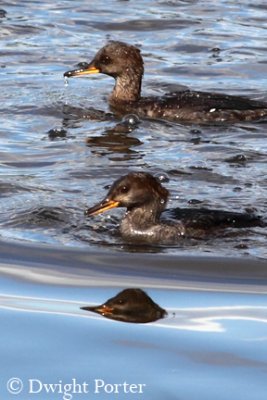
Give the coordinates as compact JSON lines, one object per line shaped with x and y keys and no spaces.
{"x":130,"y":305}
{"x":145,"y":199}
{"x":125,"y":64}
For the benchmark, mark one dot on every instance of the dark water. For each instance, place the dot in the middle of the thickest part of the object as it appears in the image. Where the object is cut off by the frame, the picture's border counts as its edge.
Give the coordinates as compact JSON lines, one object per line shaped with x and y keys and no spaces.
{"x":58,"y":153}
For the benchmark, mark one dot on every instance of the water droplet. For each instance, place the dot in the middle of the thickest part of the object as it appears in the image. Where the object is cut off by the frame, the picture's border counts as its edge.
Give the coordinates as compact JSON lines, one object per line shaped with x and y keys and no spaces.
{"x":162,"y":177}
{"x":195,"y":131}
{"x":162,"y":201}
{"x":83,"y":65}
{"x":131,"y":119}
{"x":194,"y":201}
{"x":66,"y":81}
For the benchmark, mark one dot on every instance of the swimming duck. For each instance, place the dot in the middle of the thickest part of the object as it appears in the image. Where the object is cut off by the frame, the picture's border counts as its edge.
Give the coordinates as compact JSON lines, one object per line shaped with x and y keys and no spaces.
{"x":145,"y":199}
{"x":130,"y":305}
{"x":124,"y":63}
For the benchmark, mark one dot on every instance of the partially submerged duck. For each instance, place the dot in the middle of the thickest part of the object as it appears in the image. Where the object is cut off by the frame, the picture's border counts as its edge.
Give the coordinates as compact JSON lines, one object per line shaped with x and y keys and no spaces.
{"x":125,"y":64}
{"x":130,"y":305}
{"x":145,"y":199}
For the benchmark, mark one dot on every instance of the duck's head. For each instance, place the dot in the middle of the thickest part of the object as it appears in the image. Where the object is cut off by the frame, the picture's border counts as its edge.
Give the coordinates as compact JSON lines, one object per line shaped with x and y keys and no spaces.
{"x":115,"y":59}
{"x":134,"y":190}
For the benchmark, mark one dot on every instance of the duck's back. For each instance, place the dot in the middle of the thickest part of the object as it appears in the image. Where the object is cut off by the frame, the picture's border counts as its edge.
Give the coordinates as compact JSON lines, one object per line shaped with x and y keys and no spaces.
{"x":197,"y":107}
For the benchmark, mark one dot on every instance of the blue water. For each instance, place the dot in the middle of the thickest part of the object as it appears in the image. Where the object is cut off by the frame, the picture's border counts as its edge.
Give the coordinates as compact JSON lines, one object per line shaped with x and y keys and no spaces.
{"x":213,"y":336}
{"x":54,"y":163}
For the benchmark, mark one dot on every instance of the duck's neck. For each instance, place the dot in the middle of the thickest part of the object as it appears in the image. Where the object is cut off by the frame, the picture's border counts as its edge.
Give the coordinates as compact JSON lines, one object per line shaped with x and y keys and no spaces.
{"x":127,"y":87}
{"x":139,"y":223}
{"x":144,"y":216}
{"x":143,"y":224}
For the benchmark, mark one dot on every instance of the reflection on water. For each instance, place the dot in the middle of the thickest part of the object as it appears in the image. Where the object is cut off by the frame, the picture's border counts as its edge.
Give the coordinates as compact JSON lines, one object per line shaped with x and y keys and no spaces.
{"x":206,"y":319}
{"x":116,"y":140}
{"x":129,"y":305}
{"x":215,"y":326}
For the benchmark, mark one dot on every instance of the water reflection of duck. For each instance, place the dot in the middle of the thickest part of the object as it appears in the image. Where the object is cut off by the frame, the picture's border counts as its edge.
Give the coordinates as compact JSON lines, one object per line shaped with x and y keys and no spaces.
{"x":145,"y":199}
{"x":125,"y":64}
{"x":130,"y":305}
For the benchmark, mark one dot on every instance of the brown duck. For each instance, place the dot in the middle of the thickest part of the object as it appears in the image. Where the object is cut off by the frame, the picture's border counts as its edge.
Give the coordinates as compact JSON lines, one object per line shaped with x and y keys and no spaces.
{"x":125,"y":64}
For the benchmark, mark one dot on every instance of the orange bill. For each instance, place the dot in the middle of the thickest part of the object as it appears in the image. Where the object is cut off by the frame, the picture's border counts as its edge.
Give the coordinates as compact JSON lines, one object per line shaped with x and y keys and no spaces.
{"x":103,"y":309}
{"x":82,"y":71}
{"x":102,"y":207}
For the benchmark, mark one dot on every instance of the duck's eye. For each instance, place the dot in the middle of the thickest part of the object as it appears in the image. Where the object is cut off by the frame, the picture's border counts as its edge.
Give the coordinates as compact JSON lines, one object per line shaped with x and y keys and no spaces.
{"x":105,"y":60}
{"x":124,"y":189}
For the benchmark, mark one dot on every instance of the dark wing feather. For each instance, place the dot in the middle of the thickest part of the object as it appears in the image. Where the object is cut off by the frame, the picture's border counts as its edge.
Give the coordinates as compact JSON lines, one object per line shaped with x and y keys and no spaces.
{"x":205,"y":101}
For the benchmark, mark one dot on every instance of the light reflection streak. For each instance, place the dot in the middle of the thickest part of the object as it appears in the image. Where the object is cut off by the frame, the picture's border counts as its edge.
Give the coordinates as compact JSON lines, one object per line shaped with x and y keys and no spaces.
{"x":201,"y":319}
{"x":92,"y":278}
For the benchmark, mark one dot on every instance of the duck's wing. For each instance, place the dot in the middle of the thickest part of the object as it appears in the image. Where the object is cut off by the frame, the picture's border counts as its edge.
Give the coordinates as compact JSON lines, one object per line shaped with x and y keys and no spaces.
{"x":204,"y":101}
{"x":202,"y":218}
